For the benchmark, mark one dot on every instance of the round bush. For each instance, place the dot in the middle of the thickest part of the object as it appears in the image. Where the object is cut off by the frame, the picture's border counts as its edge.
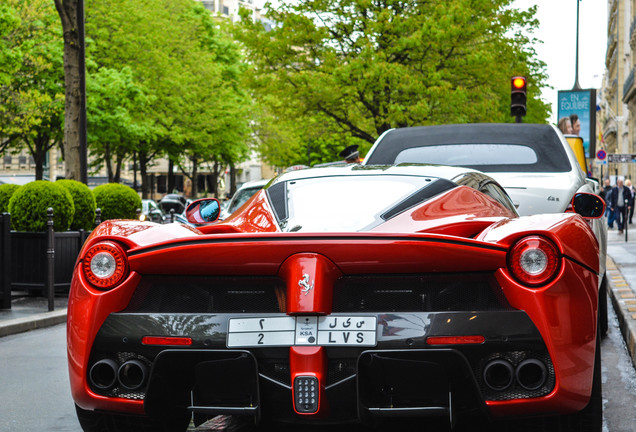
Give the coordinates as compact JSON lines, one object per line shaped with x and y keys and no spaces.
{"x":84,"y":202}
{"x":117,"y":201}
{"x":6,"y":190}
{"x":29,"y":203}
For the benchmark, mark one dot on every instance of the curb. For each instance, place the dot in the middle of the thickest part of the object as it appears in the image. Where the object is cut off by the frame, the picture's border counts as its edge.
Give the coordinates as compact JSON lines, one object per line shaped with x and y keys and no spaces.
{"x":624,"y":303}
{"x":20,"y":325}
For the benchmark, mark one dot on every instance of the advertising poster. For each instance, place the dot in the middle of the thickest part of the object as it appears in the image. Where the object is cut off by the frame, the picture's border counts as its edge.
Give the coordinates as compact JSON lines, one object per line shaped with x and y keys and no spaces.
{"x":583,"y":104}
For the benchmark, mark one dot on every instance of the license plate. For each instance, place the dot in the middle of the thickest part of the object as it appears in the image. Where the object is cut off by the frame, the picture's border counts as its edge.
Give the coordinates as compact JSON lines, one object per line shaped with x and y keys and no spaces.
{"x":302,"y":330}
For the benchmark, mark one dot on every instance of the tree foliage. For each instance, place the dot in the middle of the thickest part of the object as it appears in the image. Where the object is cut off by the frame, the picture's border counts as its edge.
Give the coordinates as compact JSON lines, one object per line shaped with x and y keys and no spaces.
{"x":32,"y":98}
{"x":182,"y":81}
{"x":361,"y":67}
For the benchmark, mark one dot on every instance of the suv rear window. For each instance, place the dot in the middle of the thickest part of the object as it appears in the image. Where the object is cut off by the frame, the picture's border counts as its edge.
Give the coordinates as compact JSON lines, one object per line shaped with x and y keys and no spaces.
{"x":470,"y":154}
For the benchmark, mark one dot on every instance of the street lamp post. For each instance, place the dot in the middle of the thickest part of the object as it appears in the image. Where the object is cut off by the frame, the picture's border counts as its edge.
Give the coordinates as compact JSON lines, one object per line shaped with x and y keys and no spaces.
{"x":576,"y":62}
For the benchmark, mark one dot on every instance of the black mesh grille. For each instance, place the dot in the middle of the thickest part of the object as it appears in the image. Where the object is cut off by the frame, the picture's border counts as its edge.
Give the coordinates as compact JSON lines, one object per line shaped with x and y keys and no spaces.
{"x":174,"y":294}
{"x":418,"y":293}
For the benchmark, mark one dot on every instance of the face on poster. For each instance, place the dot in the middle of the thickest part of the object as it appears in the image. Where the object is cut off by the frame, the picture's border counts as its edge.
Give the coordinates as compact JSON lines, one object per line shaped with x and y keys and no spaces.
{"x":579,"y":103}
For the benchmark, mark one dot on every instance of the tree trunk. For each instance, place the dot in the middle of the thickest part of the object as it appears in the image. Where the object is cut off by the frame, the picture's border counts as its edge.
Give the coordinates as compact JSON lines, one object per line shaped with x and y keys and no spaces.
{"x":232,"y":180}
{"x":195,"y":183}
{"x":215,"y":180}
{"x":67,"y":10}
{"x":108,"y":162}
{"x":171,"y":180}
{"x":143,"y":161}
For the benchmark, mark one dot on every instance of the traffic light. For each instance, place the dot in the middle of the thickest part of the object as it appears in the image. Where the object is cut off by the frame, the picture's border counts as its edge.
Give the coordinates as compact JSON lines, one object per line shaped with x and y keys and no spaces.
{"x":518,"y":97}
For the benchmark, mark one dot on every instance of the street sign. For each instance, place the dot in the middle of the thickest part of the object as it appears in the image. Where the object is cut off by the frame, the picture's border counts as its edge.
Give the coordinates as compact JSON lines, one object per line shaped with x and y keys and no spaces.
{"x":601,"y":154}
{"x":621,"y":158}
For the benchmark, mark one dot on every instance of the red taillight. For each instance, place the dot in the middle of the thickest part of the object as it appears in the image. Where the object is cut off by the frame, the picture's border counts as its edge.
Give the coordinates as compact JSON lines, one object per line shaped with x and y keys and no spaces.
{"x":455,"y":340}
{"x":533,"y":260}
{"x":166,"y":340}
{"x":105,"y":265}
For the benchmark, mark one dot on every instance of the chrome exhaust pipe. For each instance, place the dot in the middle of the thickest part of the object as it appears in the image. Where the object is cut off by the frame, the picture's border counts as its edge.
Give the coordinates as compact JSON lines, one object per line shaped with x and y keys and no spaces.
{"x":531,"y":374}
{"x":103,"y":374}
{"x":132,"y":375}
{"x":498,"y":374}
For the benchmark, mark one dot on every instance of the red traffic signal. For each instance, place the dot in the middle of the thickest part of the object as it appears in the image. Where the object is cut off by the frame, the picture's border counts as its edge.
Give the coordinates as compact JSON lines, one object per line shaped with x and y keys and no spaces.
{"x":518,"y":97}
{"x":519,"y":82}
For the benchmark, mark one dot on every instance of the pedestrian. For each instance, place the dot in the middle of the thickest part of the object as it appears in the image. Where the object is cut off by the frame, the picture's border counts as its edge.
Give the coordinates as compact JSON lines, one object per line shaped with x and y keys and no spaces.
{"x":620,"y":198}
{"x":351,"y":154}
{"x":565,"y":125}
{"x":628,"y":183}
{"x":576,"y":124}
{"x":605,"y":195}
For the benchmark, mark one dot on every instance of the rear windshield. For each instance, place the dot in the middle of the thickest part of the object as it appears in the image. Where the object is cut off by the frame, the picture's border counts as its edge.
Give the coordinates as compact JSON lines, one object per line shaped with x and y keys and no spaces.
{"x":349,"y":203}
{"x":470,"y":154}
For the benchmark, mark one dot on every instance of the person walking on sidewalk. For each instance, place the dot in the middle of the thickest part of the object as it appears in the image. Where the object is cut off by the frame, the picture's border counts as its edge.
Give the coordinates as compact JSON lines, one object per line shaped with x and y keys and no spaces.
{"x":628,"y":183}
{"x":620,"y":198}
{"x":605,"y":194}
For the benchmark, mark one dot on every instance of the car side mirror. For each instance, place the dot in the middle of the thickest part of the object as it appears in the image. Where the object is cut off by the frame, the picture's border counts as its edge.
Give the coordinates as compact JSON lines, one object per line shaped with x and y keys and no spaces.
{"x":588,"y":205}
{"x":205,"y":210}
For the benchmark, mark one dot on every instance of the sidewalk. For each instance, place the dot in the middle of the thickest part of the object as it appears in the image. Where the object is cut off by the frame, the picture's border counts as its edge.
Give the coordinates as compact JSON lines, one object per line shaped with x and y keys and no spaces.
{"x":621,"y":278}
{"x":29,"y":313}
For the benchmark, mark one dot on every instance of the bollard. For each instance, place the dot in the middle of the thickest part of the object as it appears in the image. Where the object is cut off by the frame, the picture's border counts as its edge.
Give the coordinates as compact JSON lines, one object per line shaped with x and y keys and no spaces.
{"x":171,"y":215}
{"x":625,"y":217}
{"x":98,"y":216}
{"x":50,"y":259}
{"x":5,"y":261}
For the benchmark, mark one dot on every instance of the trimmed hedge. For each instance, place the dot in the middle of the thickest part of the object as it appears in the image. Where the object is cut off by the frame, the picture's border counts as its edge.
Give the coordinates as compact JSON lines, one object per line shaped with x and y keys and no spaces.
{"x":6,"y":190}
{"x":117,"y":201}
{"x":84,"y":202}
{"x":29,"y":203}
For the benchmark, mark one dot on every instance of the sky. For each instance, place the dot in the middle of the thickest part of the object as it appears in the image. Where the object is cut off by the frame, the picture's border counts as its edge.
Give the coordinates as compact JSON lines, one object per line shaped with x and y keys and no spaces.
{"x":557,"y":30}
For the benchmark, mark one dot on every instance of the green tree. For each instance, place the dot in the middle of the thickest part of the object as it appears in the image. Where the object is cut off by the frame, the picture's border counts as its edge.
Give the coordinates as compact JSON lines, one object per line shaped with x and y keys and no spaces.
{"x":188,"y":69}
{"x":114,"y":125}
{"x":361,"y":67}
{"x":32,"y":100}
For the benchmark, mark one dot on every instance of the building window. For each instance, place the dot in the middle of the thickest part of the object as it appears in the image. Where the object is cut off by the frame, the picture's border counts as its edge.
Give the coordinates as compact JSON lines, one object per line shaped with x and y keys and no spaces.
{"x":7,"y":160}
{"x":209,"y":5}
{"x":226,"y":10}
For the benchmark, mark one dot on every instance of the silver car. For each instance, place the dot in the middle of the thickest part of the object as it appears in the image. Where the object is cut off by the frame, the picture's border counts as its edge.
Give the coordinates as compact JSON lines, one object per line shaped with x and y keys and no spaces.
{"x":240,"y":197}
{"x":533,"y":162}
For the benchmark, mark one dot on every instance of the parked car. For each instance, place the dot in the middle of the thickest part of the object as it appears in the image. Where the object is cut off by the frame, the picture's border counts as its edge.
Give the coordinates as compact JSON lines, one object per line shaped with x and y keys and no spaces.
{"x":175,"y":202}
{"x":533,"y":162}
{"x":240,"y":197}
{"x":339,"y":295}
{"x":150,"y":211}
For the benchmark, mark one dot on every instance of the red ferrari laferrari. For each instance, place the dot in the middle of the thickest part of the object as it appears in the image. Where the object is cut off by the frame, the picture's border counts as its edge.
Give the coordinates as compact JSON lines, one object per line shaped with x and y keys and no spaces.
{"x":342,"y":295}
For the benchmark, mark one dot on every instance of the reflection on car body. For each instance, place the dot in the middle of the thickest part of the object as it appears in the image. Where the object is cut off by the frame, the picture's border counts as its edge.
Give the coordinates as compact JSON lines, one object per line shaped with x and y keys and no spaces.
{"x":339,"y":295}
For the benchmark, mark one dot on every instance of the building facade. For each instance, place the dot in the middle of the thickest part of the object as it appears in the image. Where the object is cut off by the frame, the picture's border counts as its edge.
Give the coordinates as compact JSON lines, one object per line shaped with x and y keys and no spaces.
{"x":618,"y":94}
